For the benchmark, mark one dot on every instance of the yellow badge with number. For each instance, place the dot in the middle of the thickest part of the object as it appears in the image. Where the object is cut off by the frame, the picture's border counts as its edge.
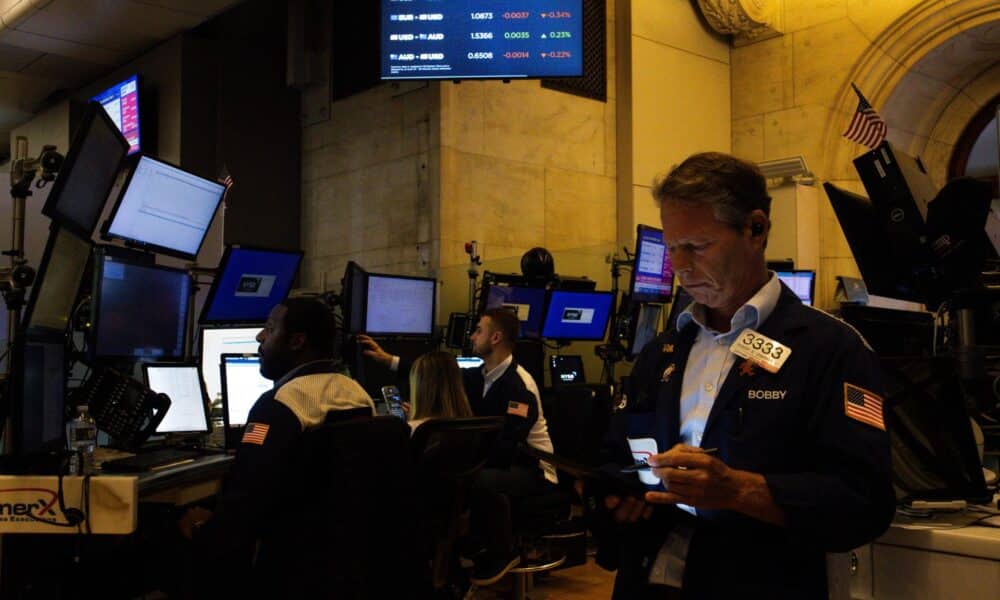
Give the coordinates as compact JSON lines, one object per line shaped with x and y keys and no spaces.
{"x":764,"y":351}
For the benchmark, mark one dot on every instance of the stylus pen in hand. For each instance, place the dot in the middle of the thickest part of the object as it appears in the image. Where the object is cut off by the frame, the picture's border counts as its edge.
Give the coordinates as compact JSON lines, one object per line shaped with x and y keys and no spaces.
{"x":644,"y":466}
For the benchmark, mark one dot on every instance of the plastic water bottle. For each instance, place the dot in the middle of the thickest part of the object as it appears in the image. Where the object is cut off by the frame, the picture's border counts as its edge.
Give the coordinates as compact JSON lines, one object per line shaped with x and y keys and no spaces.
{"x":81,"y":435}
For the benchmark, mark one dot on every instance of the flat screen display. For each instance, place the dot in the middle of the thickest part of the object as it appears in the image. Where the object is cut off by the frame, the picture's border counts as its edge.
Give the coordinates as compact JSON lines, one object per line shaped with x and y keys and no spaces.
{"x":121,"y":102}
{"x":165,"y":208}
{"x":139,"y":311}
{"x":803,"y":283}
{"x":653,"y":275}
{"x":59,"y":278}
{"x":216,"y":341}
{"x":249,"y":283}
{"x":92,"y":163}
{"x":242,"y":386}
{"x":527,"y":303}
{"x":577,"y":315}
{"x":398,"y":305}
{"x":499,"y":39}
{"x":188,"y":412}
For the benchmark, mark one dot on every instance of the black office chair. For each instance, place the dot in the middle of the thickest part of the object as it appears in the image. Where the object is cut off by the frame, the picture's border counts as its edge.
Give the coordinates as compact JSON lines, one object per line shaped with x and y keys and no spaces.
{"x":350,"y":531}
{"x":448,"y":453}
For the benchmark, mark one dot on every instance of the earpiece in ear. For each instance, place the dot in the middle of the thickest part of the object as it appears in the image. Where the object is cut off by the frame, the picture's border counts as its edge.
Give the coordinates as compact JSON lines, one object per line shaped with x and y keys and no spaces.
{"x":756,"y":229}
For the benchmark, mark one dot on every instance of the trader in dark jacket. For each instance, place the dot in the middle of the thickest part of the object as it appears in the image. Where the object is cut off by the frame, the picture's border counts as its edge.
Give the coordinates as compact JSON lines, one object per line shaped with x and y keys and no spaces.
{"x":764,"y":416}
{"x":297,"y":352}
{"x":501,"y":388}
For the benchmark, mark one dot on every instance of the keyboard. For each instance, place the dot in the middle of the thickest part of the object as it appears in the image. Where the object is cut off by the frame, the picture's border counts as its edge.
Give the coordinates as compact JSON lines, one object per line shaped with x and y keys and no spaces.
{"x":152,"y":460}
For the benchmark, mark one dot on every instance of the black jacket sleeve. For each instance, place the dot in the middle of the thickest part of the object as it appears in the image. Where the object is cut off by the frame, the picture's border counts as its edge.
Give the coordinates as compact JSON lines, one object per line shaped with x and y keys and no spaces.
{"x":847,"y":499}
{"x":254,"y":483}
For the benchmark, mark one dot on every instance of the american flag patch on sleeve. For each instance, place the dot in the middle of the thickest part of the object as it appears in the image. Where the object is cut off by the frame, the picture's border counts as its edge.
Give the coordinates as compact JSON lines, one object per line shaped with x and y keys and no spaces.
{"x":255,"y":433}
{"x":862,"y":405}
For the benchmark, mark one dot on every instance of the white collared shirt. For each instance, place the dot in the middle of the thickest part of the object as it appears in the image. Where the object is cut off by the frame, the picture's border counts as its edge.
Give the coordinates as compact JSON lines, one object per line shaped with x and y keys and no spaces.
{"x":490,"y":377}
{"x":710,"y":360}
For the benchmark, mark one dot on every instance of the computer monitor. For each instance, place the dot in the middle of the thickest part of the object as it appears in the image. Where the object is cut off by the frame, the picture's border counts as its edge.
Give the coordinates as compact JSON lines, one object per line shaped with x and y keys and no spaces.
{"x":884,"y":273}
{"x":400,"y":305}
{"x":469,"y":362}
{"x":138,"y":310}
{"x":58,"y":282}
{"x":121,"y":102}
{"x":92,"y":163}
{"x":249,"y":283}
{"x":652,"y":275}
{"x":577,"y":315}
{"x":242,"y":385}
{"x":566,"y":369}
{"x":802,"y":282}
{"x":646,"y":327}
{"x":354,"y":287}
{"x":164,"y":208}
{"x":38,"y":416}
{"x":528,"y":303}
{"x":188,"y":412}
{"x":216,"y":341}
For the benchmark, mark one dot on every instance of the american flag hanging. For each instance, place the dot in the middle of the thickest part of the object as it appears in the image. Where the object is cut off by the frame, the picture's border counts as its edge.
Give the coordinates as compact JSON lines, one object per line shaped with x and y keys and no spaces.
{"x":862,"y":405}
{"x":867,"y":127}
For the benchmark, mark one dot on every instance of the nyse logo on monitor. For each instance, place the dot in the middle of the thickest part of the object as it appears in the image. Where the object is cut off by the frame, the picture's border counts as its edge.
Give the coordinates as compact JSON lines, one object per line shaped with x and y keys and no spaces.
{"x":254,"y":286}
{"x":578,"y":316}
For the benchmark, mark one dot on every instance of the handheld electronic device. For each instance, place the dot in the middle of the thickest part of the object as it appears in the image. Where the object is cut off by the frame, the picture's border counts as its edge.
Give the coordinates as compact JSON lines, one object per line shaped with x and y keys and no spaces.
{"x":188,"y":412}
{"x":652,"y":274}
{"x":390,"y":394}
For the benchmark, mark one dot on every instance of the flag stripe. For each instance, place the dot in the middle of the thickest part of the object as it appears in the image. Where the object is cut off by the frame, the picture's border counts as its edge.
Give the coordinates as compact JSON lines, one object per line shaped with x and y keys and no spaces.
{"x":864,"y":406}
{"x":866,"y":127}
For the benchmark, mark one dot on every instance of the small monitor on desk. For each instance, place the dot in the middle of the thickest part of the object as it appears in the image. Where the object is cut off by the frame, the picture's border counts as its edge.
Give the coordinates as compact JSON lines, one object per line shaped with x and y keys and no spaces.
{"x":566,"y":369}
{"x":216,"y":341}
{"x":139,"y":310}
{"x":249,"y":283}
{"x":188,"y":412}
{"x":242,"y":385}
{"x":164,"y":208}
{"x":577,"y":315}
{"x":803,"y":283}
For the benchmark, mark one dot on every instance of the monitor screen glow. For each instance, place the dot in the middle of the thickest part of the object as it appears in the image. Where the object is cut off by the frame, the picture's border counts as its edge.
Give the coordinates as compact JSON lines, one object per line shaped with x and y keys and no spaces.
{"x":400,"y":305}
{"x":800,"y":282}
{"x":121,"y":102}
{"x":187,"y":403}
{"x":166,"y":208}
{"x":60,"y":275}
{"x":216,"y":341}
{"x":577,"y":315}
{"x":502,"y":39}
{"x":652,"y":275}
{"x":527,"y":303}
{"x":243,"y":386}
{"x":250,"y":283}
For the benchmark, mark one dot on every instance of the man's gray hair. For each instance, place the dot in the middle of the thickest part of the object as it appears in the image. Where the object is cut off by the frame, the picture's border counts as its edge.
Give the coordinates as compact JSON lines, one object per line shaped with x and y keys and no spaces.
{"x":732,"y":187}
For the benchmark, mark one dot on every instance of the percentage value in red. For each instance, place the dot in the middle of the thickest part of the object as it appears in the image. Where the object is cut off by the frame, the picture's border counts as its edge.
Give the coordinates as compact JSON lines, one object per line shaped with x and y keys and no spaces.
{"x":556,"y":14}
{"x":557,"y":54}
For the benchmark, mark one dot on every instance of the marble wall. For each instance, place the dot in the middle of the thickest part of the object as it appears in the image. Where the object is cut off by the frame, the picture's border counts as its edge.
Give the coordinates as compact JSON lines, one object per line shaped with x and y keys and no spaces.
{"x":368,"y":185}
{"x":680,"y":98}
{"x":926,"y":65}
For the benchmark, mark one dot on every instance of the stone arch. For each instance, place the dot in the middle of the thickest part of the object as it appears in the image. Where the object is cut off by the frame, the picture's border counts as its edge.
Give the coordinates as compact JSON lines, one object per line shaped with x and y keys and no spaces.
{"x":927,"y":73}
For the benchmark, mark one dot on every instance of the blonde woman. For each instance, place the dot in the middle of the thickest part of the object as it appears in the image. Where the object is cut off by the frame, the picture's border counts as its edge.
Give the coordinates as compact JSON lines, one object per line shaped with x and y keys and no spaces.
{"x":436,"y":389}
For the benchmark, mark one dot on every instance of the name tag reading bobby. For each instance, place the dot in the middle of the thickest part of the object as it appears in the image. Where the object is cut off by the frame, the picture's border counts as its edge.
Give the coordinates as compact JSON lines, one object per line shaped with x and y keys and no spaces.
{"x":764,"y":351}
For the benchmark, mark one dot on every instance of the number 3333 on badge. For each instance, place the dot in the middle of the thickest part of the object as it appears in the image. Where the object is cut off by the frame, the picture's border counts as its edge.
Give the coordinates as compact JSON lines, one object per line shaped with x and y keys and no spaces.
{"x":764,"y":351}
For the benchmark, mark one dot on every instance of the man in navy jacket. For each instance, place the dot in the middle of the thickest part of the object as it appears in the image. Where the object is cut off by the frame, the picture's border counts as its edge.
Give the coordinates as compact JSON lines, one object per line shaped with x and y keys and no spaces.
{"x":765,"y":416}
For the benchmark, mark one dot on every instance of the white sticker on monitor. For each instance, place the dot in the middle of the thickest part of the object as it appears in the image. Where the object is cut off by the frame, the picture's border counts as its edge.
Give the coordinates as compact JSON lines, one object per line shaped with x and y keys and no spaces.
{"x":578,"y":316}
{"x":254,"y":286}
{"x":523,"y":311}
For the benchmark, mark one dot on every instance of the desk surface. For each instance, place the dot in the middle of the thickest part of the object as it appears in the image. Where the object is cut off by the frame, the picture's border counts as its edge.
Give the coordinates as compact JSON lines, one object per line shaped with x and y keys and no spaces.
{"x":974,"y":540}
{"x":203,"y":468}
